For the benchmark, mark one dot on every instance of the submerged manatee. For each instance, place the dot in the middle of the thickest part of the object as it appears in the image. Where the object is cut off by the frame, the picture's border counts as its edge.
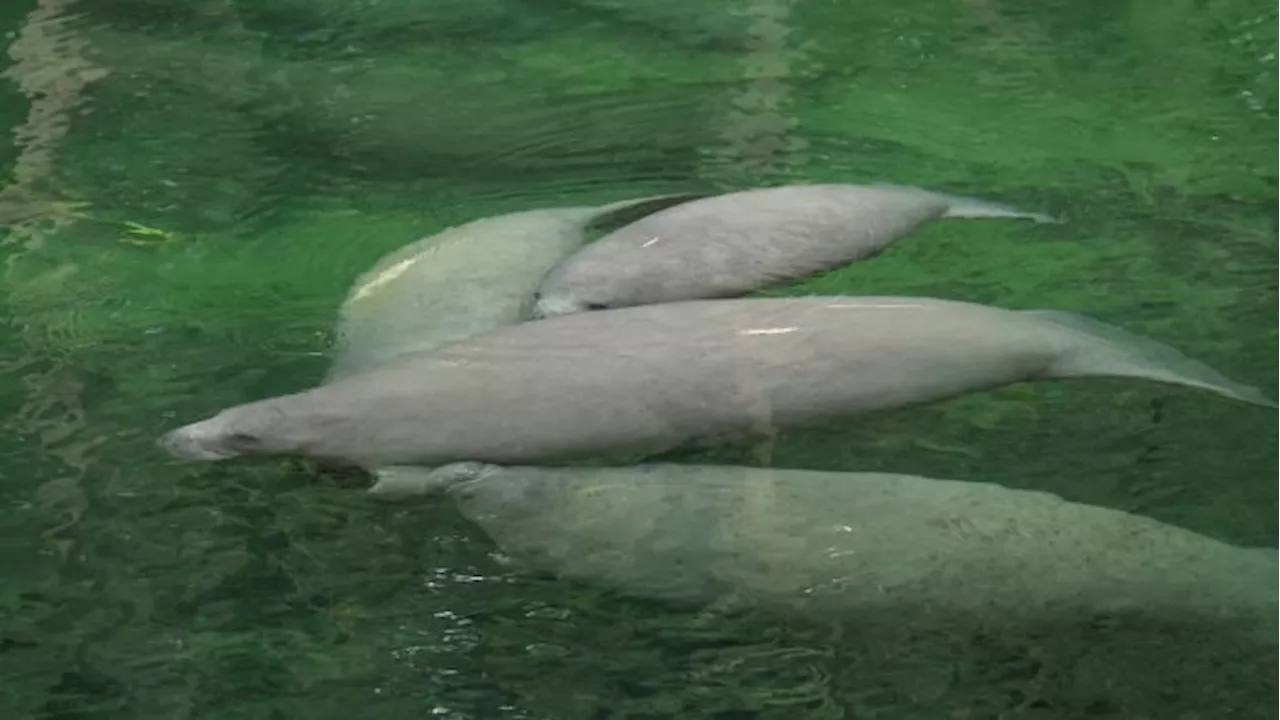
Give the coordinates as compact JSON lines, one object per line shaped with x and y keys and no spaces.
{"x":733,"y":244}
{"x":655,"y":377}
{"x":851,"y":541}
{"x":465,"y":280}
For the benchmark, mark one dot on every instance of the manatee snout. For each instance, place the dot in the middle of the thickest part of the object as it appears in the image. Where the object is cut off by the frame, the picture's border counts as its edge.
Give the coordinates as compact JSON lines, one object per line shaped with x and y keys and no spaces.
{"x":198,"y":441}
{"x":549,"y":305}
{"x":255,"y":429}
{"x":260,"y":428}
{"x":400,"y":482}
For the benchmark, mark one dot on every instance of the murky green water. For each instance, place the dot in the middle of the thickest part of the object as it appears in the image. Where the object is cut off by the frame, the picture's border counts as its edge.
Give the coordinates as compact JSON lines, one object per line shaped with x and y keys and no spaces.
{"x":268,"y":152}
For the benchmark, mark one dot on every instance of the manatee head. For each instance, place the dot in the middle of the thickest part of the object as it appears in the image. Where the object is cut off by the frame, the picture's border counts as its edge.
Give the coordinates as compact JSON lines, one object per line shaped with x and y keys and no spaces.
{"x":500,"y":494}
{"x":583,"y":283}
{"x":554,"y":302}
{"x":610,"y":276}
{"x":252,"y":429}
{"x":400,"y":482}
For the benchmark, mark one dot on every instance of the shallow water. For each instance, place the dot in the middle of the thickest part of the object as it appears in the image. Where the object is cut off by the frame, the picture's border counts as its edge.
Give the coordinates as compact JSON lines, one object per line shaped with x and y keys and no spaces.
{"x":192,"y":186}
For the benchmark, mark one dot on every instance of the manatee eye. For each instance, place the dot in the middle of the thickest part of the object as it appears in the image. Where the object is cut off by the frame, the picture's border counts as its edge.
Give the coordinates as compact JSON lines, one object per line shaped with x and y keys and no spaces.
{"x":537,"y":296}
{"x":597,"y":306}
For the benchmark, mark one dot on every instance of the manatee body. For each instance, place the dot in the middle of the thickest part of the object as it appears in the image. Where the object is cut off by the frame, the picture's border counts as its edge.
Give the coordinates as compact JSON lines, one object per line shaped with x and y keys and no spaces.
{"x":736,"y":243}
{"x":851,"y":541}
{"x":654,"y":377}
{"x":468,"y":279}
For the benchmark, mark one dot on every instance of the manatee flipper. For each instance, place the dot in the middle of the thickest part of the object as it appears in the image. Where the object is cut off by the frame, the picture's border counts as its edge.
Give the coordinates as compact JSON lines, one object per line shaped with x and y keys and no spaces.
{"x":399,"y":482}
{"x":1103,"y":349}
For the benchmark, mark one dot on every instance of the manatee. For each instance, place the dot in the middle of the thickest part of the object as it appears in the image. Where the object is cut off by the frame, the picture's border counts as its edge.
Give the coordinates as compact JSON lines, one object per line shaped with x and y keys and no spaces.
{"x":655,"y":377}
{"x":850,"y":541}
{"x":465,"y":280}
{"x":732,"y":244}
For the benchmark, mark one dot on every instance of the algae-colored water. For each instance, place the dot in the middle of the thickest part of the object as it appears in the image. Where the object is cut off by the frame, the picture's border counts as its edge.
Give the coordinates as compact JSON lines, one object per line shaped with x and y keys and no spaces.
{"x":192,"y":185}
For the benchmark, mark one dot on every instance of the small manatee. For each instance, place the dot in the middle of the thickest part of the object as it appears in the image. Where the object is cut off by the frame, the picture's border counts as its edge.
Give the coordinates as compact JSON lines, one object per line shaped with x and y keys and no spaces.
{"x":732,"y":244}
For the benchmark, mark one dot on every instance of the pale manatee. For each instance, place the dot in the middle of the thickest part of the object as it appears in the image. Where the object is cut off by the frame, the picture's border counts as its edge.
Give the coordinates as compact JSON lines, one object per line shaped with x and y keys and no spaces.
{"x":655,"y":377}
{"x":465,"y":280}
{"x":905,"y":545}
{"x":736,"y":243}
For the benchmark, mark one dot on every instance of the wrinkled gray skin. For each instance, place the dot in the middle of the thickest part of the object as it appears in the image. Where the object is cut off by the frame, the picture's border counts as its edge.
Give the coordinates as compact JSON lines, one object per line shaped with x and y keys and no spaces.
{"x":654,"y":377}
{"x":465,"y":280}
{"x":736,"y":243}
{"x":851,"y":541}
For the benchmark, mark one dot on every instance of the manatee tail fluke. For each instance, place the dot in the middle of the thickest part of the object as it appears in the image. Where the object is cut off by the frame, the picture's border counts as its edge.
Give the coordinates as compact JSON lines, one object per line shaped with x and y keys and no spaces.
{"x":628,"y":211}
{"x":969,"y":207}
{"x":1106,"y":350}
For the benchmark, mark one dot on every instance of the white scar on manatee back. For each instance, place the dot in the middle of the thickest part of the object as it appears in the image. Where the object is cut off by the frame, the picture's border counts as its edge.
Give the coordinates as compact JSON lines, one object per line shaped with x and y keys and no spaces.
{"x":383,"y":278}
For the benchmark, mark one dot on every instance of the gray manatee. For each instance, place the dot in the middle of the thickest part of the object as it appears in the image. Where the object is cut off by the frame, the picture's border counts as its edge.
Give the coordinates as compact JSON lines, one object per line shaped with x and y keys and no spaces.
{"x":851,"y":541}
{"x":655,"y":377}
{"x":736,"y":243}
{"x":465,"y":280}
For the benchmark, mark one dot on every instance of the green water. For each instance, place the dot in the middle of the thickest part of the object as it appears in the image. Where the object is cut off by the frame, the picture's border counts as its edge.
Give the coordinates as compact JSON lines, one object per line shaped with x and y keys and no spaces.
{"x":276,"y":148}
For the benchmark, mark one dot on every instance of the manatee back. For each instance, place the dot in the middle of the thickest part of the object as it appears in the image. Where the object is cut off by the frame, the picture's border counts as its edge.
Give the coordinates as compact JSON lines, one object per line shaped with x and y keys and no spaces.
{"x":465,"y":280}
{"x":637,"y":529}
{"x":732,"y":244}
{"x":856,"y":542}
{"x":671,"y":374}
